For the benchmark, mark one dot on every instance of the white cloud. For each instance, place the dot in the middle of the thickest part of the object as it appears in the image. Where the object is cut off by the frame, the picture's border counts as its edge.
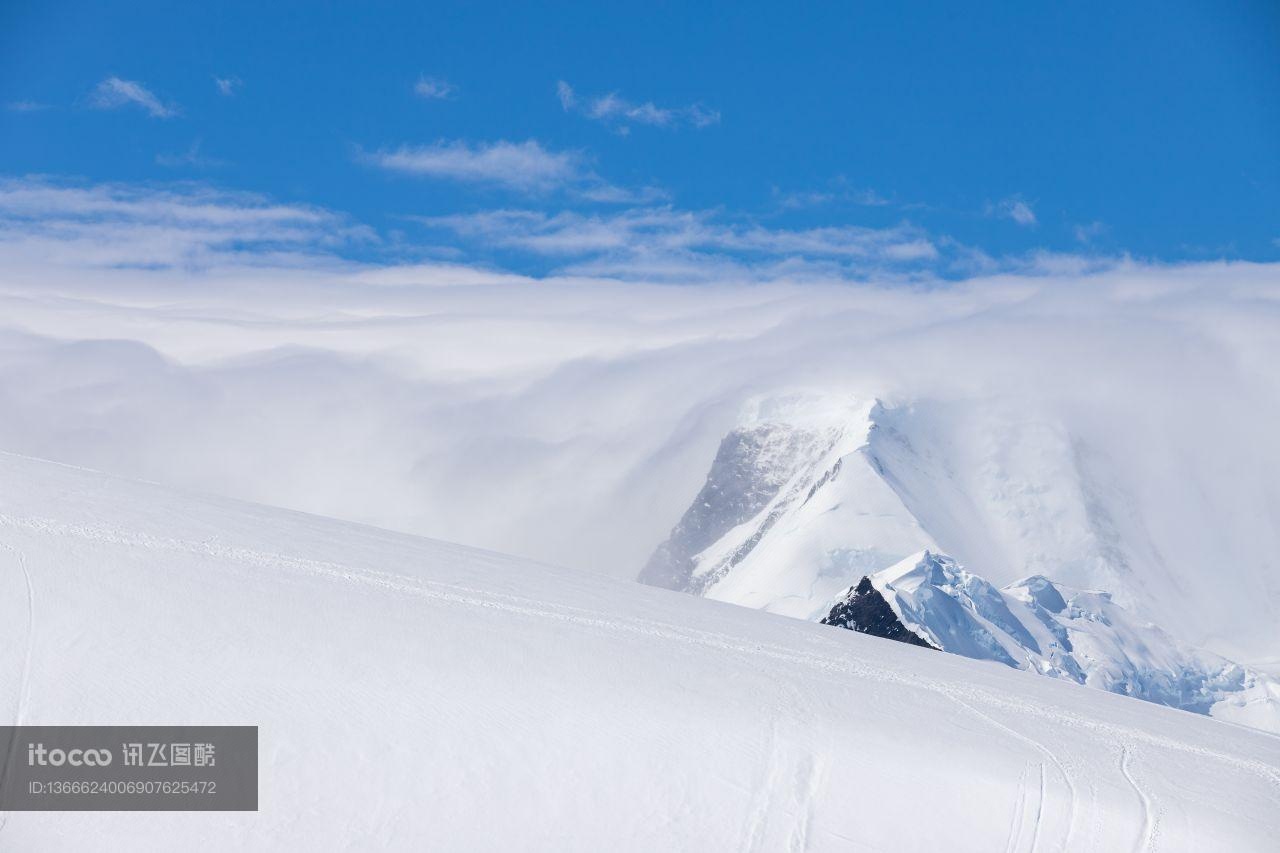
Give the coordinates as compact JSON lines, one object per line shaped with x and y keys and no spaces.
{"x":525,"y":166}
{"x":25,"y":106}
{"x":227,"y":86}
{"x":568,"y":99}
{"x":47,"y":224}
{"x":433,"y":88}
{"x":1014,"y":208}
{"x":1089,"y":232}
{"x":615,"y":110}
{"x":801,"y":199}
{"x":682,"y":240}
{"x":840,"y":192}
{"x":208,"y":339}
{"x":113,"y":93}
{"x":192,"y":157}
{"x":611,"y":194}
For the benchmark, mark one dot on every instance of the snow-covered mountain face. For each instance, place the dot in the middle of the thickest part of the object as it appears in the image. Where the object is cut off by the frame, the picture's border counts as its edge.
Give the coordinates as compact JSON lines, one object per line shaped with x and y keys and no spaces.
{"x":416,"y":695}
{"x":1046,"y":628}
{"x":810,"y":493}
{"x":792,"y":512}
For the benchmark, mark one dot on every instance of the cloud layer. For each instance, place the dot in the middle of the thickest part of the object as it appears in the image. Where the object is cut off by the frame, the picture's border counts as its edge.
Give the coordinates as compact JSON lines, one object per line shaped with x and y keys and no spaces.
{"x":214,"y":340}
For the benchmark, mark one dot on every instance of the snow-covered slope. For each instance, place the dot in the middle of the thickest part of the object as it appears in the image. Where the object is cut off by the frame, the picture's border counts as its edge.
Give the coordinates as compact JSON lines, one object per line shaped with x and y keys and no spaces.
{"x":1077,"y":635}
{"x":418,"y":695}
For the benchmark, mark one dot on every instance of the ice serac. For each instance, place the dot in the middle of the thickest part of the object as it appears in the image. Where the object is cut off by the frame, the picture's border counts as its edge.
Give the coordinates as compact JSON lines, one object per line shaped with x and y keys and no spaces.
{"x":1072,"y":634}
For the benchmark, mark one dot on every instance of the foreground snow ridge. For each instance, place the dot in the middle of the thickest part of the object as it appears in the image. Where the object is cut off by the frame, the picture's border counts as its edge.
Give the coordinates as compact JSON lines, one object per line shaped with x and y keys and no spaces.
{"x":813,"y":494}
{"x":417,"y":695}
{"x":1051,"y":629}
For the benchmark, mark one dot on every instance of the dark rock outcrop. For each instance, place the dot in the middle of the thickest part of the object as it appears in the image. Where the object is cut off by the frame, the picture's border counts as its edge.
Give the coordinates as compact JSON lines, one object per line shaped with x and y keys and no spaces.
{"x":863,"y":609}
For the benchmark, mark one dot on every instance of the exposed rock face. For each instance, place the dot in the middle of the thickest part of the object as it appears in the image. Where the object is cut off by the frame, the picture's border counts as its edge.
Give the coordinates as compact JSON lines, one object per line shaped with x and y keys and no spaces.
{"x":751,"y":467}
{"x":863,"y":609}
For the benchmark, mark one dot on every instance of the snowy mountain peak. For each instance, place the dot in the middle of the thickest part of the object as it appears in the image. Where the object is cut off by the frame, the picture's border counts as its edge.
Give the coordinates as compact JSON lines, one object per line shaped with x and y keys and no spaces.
{"x":782,"y":451}
{"x":809,"y":494}
{"x":808,"y":409}
{"x":1040,"y":590}
{"x":863,"y":609}
{"x":1051,"y":629}
{"x":792,"y":511}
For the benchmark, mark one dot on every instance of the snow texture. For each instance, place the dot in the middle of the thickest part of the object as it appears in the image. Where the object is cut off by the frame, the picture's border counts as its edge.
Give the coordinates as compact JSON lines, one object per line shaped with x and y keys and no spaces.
{"x":418,"y":695}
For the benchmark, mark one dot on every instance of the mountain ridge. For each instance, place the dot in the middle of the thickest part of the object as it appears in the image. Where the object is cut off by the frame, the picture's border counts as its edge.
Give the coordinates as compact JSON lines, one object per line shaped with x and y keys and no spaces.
{"x":828,"y":489}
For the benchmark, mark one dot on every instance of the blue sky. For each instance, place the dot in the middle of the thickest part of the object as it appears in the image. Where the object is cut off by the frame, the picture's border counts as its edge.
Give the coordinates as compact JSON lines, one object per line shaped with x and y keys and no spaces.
{"x":537,"y":136}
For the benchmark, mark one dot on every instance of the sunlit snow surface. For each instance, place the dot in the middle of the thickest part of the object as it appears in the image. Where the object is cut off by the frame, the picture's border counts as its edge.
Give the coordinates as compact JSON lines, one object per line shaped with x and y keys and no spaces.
{"x":1073,"y":634}
{"x":418,"y":695}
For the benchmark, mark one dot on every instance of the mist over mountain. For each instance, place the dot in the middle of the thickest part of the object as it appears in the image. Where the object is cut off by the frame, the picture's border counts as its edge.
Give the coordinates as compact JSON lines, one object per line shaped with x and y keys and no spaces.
{"x":811,"y":492}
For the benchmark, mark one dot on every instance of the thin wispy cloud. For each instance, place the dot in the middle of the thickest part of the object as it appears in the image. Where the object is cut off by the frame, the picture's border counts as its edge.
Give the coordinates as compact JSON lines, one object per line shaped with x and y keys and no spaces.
{"x":524,"y":166}
{"x":614,"y":110}
{"x":193,"y":157}
{"x":606,"y":193}
{"x":46,"y":224}
{"x":1089,"y":232}
{"x":227,"y":86}
{"x":25,"y":106}
{"x":690,"y":242}
{"x":114,"y":93}
{"x":434,"y":88}
{"x":1014,"y":208}
{"x":840,"y":193}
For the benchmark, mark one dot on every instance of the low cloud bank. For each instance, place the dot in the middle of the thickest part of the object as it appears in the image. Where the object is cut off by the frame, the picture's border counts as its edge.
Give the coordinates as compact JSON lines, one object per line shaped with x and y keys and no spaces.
{"x":213,"y":342}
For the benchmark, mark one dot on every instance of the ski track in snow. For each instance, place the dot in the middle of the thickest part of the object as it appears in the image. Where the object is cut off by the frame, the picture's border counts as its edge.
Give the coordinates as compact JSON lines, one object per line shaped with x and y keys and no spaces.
{"x":1043,"y":792}
{"x":24,"y":675}
{"x":24,"y":679}
{"x":1150,"y":814}
{"x":455,"y":594}
{"x":808,"y":783}
{"x":1019,"y":805}
{"x":793,"y":778}
{"x":765,"y":794}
